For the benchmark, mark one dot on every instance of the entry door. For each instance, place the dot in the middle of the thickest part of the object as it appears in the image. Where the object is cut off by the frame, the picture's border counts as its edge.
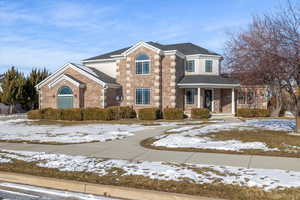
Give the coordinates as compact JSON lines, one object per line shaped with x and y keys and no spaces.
{"x":65,"y":102}
{"x":208,"y":99}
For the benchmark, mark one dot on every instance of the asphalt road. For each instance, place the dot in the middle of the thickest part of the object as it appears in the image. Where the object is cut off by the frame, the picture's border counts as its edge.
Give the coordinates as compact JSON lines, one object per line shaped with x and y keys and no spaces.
{"x":22,"y":192}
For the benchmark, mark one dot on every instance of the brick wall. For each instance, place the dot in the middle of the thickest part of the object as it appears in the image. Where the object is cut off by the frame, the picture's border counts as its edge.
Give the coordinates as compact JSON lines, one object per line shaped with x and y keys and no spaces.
{"x":130,"y":81}
{"x":91,"y":96}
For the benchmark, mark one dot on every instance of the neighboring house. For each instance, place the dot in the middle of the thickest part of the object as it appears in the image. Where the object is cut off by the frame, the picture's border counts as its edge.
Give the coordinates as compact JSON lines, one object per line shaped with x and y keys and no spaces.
{"x":147,"y":74}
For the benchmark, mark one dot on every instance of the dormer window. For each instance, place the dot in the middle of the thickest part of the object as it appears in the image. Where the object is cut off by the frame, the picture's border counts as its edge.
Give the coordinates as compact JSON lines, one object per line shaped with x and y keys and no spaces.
{"x":142,"y":64}
{"x":190,"y":66}
{"x":208,"y":66}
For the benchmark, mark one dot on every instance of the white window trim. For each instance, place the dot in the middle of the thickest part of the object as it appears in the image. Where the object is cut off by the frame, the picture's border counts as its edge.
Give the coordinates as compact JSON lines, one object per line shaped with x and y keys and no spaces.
{"x":212,"y":62}
{"x":142,"y":61}
{"x":186,"y":65}
{"x":194,"y":94}
{"x":150,"y":102}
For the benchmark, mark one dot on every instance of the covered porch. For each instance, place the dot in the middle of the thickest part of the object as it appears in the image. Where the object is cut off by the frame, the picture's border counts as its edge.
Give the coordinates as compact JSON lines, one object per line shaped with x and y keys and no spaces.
{"x":216,"y":93}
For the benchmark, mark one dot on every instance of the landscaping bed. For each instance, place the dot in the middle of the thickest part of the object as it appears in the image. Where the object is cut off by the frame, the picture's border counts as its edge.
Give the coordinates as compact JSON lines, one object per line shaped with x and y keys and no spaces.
{"x":194,"y":179}
{"x":271,"y":137}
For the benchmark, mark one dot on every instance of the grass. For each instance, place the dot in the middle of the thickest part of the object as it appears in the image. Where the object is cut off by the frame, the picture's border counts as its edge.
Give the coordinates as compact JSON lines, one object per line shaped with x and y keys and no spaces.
{"x":273,"y":139}
{"x":116,"y":177}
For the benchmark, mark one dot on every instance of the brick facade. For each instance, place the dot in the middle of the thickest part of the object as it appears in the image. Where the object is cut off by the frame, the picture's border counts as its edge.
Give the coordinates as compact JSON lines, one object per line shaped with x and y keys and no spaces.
{"x":165,"y":72}
{"x":90,"y":96}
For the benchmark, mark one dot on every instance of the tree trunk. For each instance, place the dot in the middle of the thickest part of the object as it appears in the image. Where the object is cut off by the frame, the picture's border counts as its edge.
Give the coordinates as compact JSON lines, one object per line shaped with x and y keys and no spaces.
{"x":297,"y":123}
{"x":10,"y":109}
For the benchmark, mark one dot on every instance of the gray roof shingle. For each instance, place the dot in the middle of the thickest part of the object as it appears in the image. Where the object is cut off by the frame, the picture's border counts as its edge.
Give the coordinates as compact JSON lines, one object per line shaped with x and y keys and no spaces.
{"x":97,"y":74}
{"x":185,"y":48}
{"x":207,"y":79}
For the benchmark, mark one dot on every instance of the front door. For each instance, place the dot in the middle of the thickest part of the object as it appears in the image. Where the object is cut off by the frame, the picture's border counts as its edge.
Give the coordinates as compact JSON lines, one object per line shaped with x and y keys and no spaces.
{"x":208,"y":99}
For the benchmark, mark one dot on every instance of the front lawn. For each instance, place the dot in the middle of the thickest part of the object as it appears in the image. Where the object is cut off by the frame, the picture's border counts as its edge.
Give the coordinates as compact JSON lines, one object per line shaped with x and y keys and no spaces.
{"x":194,"y":179}
{"x":58,"y":132}
{"x":256,"y":137}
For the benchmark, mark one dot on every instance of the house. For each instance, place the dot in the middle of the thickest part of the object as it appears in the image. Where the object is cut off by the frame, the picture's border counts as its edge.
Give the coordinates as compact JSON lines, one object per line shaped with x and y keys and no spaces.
{"x":146,"y":74}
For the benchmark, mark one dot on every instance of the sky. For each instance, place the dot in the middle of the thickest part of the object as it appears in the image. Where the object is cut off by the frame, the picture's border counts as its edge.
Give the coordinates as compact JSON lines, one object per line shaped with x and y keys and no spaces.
{"x":47,"y":33}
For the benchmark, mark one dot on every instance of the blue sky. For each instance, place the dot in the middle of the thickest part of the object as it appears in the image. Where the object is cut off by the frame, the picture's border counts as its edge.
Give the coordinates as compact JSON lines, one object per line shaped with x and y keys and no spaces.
{"x":46,"y":33}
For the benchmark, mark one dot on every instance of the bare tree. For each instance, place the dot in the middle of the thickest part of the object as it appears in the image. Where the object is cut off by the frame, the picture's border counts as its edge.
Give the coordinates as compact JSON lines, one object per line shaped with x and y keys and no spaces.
{"x":268,"y":53}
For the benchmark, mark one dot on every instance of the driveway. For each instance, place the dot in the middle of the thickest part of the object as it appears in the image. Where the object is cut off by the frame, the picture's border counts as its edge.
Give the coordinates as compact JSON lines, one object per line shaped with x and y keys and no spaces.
{"x":130,"y":149}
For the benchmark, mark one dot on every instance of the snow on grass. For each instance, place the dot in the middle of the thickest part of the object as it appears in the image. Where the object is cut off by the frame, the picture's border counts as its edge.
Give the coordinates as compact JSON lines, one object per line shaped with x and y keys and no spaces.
{"x":266,"y":179}
{"x":189,"y":137}
{"x":59,"y":193}
{"x":16,"y":130}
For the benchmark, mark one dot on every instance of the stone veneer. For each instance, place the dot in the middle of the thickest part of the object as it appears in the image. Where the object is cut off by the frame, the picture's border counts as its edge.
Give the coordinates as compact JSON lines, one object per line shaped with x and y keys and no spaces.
{"x":90,"y":96}
{"x":165,"y":72}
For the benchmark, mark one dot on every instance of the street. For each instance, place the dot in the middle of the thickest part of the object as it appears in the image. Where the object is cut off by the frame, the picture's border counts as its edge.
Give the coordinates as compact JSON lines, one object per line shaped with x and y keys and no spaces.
{"x":9,"y":191}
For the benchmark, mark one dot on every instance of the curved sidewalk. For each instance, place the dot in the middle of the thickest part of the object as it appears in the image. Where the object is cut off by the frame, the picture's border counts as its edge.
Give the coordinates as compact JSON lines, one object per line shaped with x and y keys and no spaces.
{"x":130,"y":149}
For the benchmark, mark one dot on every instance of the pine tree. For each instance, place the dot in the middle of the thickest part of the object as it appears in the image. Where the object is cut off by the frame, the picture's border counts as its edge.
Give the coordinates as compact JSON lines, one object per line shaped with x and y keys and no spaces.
{"x":34,"y":78}
{"x":12,"y":86}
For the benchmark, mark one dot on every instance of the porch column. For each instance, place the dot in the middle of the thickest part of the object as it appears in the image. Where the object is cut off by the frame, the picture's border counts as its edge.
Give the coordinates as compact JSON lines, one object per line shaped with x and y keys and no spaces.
{"x":199,"y":98}
{"x":233,"y":101}
{"x":213,"y":100}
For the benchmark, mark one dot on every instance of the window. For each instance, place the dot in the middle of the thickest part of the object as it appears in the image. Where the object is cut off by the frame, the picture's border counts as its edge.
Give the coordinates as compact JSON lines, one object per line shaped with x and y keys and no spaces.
{"x":142,"y":96}
{"x":190,"y":95}
{"x":250,"y":96}
{"x":65,"y":90}
{"x":142,"y":64}
{"x":65,"y":97}
{"x":241,"y":97}
{"x":190,"y":66}
{"x":208,"y":66}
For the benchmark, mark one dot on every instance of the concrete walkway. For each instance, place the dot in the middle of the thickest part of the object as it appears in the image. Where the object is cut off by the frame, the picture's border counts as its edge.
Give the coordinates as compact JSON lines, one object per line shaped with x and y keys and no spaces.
{"x":130,"y":149}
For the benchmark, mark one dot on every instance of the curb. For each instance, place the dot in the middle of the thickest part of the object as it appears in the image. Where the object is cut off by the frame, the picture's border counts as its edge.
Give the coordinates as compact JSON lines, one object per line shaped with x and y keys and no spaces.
{"x":96,"y":189}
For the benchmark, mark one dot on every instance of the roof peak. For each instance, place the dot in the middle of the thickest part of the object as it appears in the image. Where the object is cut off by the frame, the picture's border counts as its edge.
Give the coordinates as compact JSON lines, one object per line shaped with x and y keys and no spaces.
{"x":186,"y":48}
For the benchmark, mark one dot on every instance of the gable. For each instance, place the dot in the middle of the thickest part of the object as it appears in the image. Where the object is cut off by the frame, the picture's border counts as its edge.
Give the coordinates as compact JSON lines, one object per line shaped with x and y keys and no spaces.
{"x":87,"y":73}
{"x":66,"y":77}
{"x":140,"y":45}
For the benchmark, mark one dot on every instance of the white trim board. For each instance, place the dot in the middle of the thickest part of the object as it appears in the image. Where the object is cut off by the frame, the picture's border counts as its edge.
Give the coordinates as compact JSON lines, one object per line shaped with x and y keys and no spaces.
{"x":141,"y":44}
{"x":67,"y":78}
{"x":64,"y":68}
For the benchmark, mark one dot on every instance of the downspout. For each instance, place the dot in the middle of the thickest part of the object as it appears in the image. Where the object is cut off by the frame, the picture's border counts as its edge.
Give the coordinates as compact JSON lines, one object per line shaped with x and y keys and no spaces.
{"x":104,"y":95}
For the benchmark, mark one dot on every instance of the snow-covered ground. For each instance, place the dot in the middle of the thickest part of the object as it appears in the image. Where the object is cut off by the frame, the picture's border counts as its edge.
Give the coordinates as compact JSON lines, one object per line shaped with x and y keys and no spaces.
{"x":266,"y":179}
{"x":194,"y":136}
{"x":23,"y":130}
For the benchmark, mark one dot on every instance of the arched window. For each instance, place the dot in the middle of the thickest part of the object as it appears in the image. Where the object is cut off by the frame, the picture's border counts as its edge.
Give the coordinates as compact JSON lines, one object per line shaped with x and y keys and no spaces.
{"x":142,"y":64}
{"x":65,"y":90}
{"x":65,"y":97}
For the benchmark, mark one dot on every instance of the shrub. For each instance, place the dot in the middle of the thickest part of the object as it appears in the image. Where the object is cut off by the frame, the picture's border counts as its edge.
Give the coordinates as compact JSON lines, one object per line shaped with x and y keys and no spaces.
{"x":112,"y":113}
{"x":127,"y":112}
{"x":50,"y":113}
{"x":34,"y":114}
{"x":149,"y":113}
{"x":250,"y":112}
{"x":71,"y":114}
{"x":93,"y":114}
{"x":119,"y":112}
{"x":173,"y":114}
{"x":200,"y":113}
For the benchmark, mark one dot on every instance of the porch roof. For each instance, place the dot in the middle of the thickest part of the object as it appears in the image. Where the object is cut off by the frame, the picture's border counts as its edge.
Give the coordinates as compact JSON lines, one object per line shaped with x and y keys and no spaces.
{"x":207,"y":81}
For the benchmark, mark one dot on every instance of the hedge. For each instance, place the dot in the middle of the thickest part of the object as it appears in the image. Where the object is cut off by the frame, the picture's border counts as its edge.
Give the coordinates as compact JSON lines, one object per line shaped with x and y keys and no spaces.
{"x":51,"y":114}
{"x":77,"y":114}
{"x":149,"y":113}
{"x":200,"y":113}
{"x":251,"y":112}
{"x":173,"y":114}
{"x":93,"y":114}
{"x":34,"y":114}
{"x":120,"y":112}
{"x":71,"y":114}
